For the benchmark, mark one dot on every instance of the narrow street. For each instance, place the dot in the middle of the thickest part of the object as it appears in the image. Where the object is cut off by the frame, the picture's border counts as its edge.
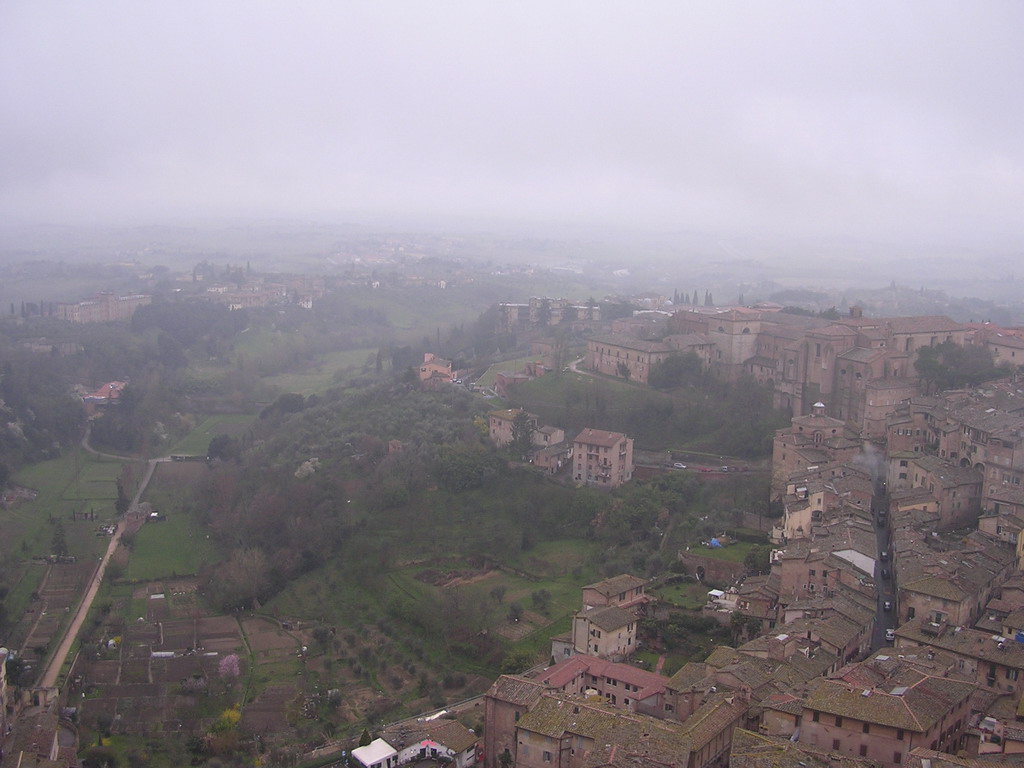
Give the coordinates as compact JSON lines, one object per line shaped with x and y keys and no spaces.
{"x":885,"y":590}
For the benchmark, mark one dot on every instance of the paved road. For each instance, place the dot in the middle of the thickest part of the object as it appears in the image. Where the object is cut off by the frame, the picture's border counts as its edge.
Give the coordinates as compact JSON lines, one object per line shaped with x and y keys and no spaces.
{"x":49,"y":678}
{"x":884,"y":587}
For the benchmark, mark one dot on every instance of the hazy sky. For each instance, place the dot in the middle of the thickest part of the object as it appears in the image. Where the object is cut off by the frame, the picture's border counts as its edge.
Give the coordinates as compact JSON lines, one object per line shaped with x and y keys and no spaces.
{"x":891,"y":119}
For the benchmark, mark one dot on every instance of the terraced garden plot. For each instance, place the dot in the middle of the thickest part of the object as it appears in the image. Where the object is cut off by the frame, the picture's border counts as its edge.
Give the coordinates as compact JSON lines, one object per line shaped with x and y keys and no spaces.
{"x":267,"y":641}
{"x":268,"y":713}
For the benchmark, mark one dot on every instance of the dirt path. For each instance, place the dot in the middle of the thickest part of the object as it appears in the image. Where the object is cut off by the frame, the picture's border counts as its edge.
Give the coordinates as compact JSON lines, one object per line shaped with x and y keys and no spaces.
{"x":49,"y":678}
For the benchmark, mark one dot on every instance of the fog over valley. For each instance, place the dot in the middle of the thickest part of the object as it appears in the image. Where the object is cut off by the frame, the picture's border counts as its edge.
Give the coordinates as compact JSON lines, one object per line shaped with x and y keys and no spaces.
{"x":450,"y":384}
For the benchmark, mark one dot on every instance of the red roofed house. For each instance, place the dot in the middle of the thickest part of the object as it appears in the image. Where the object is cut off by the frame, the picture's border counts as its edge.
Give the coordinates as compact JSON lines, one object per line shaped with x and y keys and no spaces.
{"x":622,"y":684}
{"x":108,"y":394}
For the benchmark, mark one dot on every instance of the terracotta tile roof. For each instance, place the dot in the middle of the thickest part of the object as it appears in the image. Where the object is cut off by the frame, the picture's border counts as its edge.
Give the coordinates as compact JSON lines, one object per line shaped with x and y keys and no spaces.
{"x":452,"y":734}
{"x":965,"y":642}
{"x":998,"y":339}
{"x":913,"y":708}
{"x":516,"y":690}
{"x":862,"y":355}
{"x":924,"y":324}
{"x":449,"y":733}
{"x":758,"y":750}
{"x":628,"y":342}
{"x":616,"y":585}
{"x":949,"y":475}
{"x":609,"y":617}
{"x":723,"y":656}
{"x":690,"y":674}
{"x":681,"y":340}
{"x":662,"y":741}
{"x":719,"y":713}
{"x":832,"y":330}
{"x":784,"y":702}
{"x":936,"y":586}
{"x":566,"y":670}
{"x":599,"y":437}
{"x":945,"y":760}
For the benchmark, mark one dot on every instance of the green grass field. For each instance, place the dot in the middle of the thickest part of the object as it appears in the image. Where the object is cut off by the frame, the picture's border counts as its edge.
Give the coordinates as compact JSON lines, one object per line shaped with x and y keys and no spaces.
{"x":734,"y":553}
{"x":330,"y":370}
{"x":76,"y":482}
{"x":687,"y":595}
{"x":256,"y":342}
{"x":177,"y":545}
{"x":173,"y":547}
{"x":552,"y":393}
{"x":198,"y":440}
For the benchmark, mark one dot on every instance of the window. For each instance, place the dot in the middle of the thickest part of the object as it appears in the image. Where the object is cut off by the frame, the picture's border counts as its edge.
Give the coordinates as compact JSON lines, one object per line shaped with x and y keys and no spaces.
{"x":866,"y":728}
{"x":835,"y":744}
{"x":899,"y":735}
{"x":863,"y":750}
{"x":897,"y":757}
{"x":839,"y":721}
{"x":814,"y":717}
{"x":517,"y":717}
{"x":547,"y":756}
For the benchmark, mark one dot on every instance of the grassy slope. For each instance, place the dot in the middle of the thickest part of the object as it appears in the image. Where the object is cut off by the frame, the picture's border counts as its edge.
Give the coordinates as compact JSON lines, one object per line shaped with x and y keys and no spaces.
{"x":328,"y":371}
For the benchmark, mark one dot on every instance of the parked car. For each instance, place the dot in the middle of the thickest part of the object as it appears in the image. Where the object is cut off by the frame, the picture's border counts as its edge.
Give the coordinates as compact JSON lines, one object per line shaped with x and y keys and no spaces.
{"x":885,"y":574}
{"x":890,"y":635}
{"x":679,"y":465}
{"x":884,"y":555}
{"x":887,"y":605}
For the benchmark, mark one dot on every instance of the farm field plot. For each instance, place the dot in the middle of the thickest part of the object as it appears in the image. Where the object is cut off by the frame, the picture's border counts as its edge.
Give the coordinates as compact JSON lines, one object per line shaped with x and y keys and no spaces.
{"x":141,"y":681}
{"x":268,"y":641}
{"x":56,"y":595}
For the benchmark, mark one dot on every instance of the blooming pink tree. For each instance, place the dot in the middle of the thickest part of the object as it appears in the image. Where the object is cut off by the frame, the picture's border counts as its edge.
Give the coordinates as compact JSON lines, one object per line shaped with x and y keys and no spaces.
{"x":229,"y":669}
